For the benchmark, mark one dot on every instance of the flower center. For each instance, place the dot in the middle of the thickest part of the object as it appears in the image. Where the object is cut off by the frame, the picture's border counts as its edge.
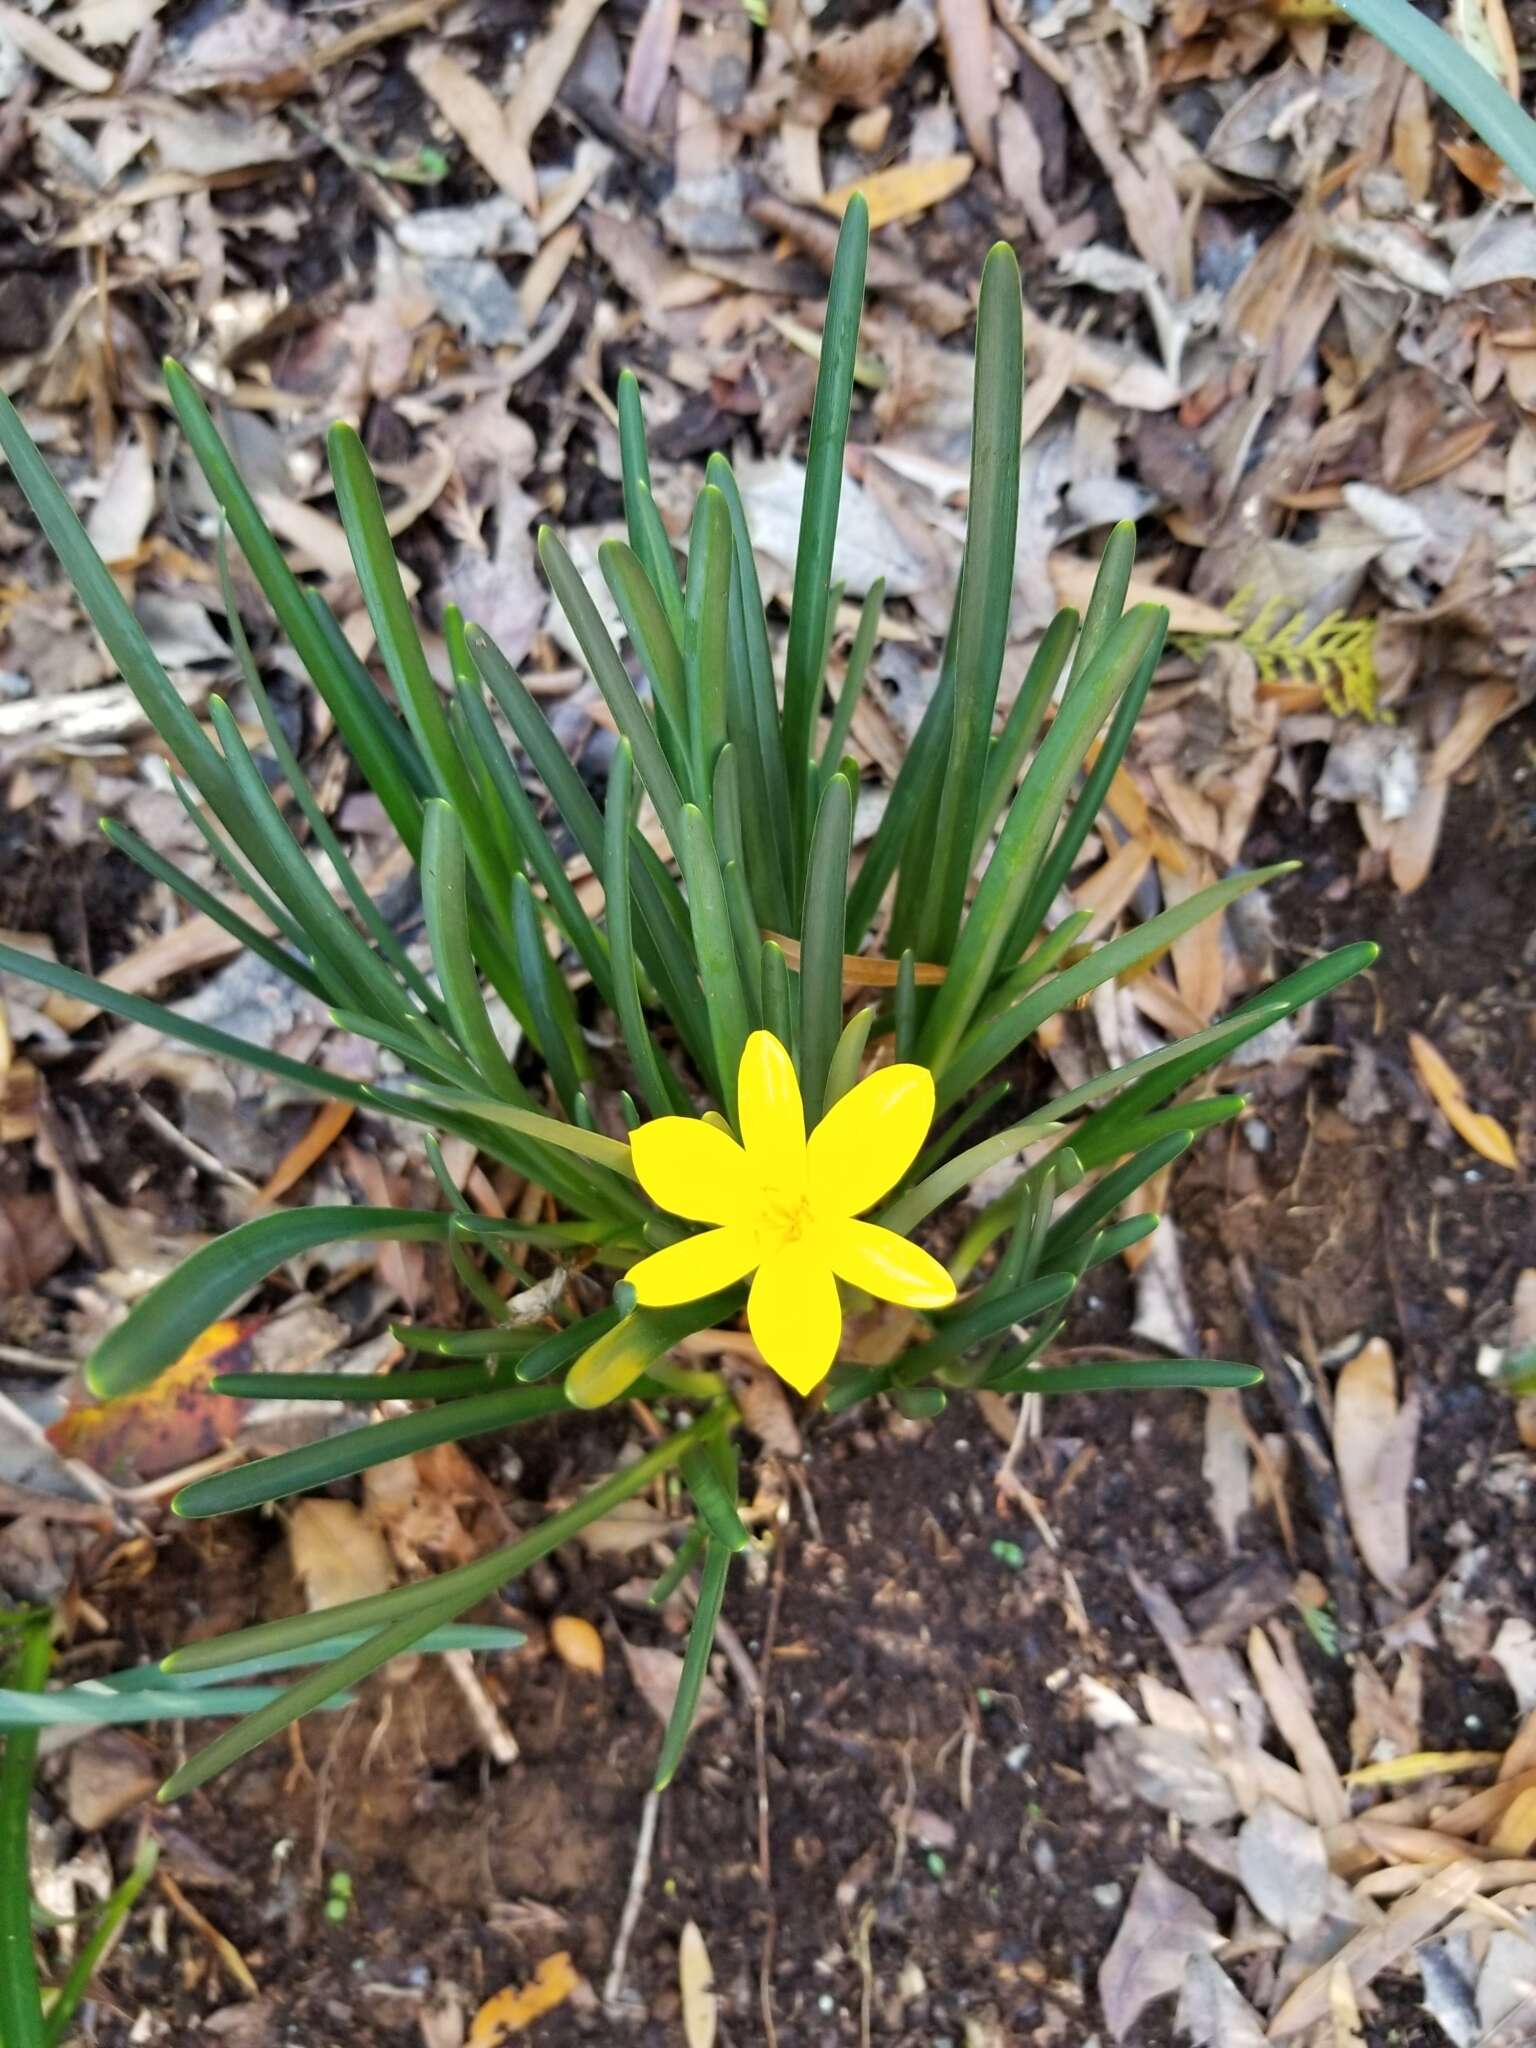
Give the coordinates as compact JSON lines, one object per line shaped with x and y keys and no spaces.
{"x":786,"y":1217}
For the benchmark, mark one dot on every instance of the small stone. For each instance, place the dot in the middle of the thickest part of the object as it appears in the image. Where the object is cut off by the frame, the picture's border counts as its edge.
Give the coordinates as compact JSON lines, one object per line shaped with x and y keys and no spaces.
{"x":1108,"y":1896}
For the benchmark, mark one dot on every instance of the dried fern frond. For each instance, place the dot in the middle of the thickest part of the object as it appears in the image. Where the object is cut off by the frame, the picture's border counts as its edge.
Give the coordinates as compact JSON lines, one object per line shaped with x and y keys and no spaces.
{"x":1336,"y":656}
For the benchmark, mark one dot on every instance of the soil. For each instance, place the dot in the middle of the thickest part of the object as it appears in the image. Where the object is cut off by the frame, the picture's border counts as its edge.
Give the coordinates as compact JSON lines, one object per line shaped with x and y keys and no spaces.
{"x":940,"y":1870}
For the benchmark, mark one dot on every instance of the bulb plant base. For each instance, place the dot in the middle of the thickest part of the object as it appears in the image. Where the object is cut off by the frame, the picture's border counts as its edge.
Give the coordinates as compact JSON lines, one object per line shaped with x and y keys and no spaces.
{"x":810,"y":1143}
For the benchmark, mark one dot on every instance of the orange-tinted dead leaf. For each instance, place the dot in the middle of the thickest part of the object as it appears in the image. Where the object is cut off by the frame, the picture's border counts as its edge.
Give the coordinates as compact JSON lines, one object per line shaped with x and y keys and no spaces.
{"x":577,"y":1644}
{"x":1485,"y":1134}
{"x":904,"y":189}
{"x":329,"y":1122}
{"x":172,"y":1422}
{"x":516,"y":2008}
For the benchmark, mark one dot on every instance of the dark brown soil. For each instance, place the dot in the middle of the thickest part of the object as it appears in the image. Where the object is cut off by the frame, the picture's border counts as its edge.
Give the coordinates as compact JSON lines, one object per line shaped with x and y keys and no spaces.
{"x":937,"y":1860}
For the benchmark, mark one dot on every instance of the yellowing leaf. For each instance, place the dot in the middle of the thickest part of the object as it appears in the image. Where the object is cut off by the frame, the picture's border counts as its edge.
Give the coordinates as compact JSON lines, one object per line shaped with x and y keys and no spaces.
{"x":1516,"y":1831}
{"x":172,"y":1422}
{"x":510,"y":2011}
{"x":904,"y":189}
{"x":696,"y":1985}
{"x":1424,"y":1763}
{"x":1485,"y":1134}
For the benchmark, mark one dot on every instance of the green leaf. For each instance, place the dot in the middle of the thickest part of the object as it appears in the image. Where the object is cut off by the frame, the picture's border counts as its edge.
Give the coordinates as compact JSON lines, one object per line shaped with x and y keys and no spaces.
{"x":1106,"y":601}
{"x":822,"y":940}
{"x":1128,"y":1376}
{"x":21,"y":2011}
{"x":177,"y":1309}
{"x":853,"y":683}
{"x":607,"y":1368}
{"x":663,"y":1095}
{"x":549,"y":999}
{"x":701,"y":1640}
{"x":1106,"y":1195}
{"x":688,"y":1553}
{"x":612,"y":678}
{"x":401,"y":1616}
{"x":609,"y":1153}
{"x":356,"y":1450}
{"x":715,"y":1501}
{"x":778,"y":1009}
{"x":428,"y":1383}
{"x":823,"y":489}
{"x":909,"y":1209}
{"x":96,"y":1944}
{"x":914,"y":790}
{"x":1027,"y":832}
{"x":986,"y":594}
{"x":650,"y":632}
{"x":706,"y":625}
{"x":733,"y":872}
{"x":1026,"y":715}
{"x":447,"y":913}
{"x":1451,"y":71}
{"x":564,"y":1347}
{"x":846,"y":1060}
{"x":715,"y":944}
{"x":992,"y":1041}
{"x":647,"y":535}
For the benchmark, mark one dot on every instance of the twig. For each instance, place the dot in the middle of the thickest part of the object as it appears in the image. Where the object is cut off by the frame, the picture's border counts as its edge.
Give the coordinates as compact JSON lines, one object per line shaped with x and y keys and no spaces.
{"x":639,"y":1877}
{"x":1317,"y":1464}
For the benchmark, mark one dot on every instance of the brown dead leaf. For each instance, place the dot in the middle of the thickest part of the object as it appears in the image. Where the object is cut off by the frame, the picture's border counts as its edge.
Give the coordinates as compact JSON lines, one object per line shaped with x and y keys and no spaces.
{"x":765,"y":1409}
{"x":1164,"y":1926}
{"x":34,"y":1242}
{"x":472,"y":112}
{"x":859,"y":68}
{"x":657,"y":1673}
{"x":50,"y":53}
{"x":1485,"y":1134}
{"x":338,"y":1554}
{"x":514,"y":2010}
{"x":1363,"y":1958}
{"x":1374,"y":1441}
{"x":965,"y":29}
{"x":650,"y":59}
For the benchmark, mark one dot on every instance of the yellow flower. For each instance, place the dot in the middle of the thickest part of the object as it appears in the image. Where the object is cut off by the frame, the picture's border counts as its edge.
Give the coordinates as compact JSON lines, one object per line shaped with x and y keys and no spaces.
{"x":786,"y":1206}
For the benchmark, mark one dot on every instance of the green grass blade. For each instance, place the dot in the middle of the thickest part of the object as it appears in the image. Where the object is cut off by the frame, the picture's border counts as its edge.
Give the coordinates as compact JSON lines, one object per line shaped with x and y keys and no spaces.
{"x":404,"y":1615}
{"x":911,"y":794}
{"x":21,"y":2010}
{"x":822,"y":940}
{"x":688,"y":1554}
{"x":647,"y":535}
{"x":609,"y":673}
{"x":909,"y":1209}
{"x":339,"y":1457}
{"x":111,"y":613}
{"x":904,"y":1014}
{"x":549,"y":999}
{"x":258,"y":942}
{"x":254,"y":890}
{"x":1456,"y":75}
{"x":1105,"y":1196}
{"x":1127,"y":1376}
{"x":995,"y":1039}
{"x":848,"y":1056}
{"x":853,"y":683}
{"x":429,"y":1383}
{"x":823,"y":490}
{"x":986,"y":594}
{"x":340,"y":678}
{"x":177,"y":1309}
{"x":724,"y":997}
{"x":608,"y":1153}
{"x":715,"y":1501}
{"x":706,"y":627}
{"x":1027,"y":832}
{"x":1080,"y":821}
{"x":701,"y":1640}
{"x":1026,"y":715}
{"x":731,"y":844}
{"x":96,"y":1944}
{"x":445,"y":901}
{"x":1106,"y":601}
{"x":778,"y":1007}
{"x":662,"y":1093}
{"x":650,"y":633}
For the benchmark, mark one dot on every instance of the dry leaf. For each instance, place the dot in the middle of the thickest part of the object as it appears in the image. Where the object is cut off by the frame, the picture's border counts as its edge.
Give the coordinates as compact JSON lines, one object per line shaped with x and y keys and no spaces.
{"x":577,"y":1644}
{"x":1283,"y":1863}
{"x":1485,"y":1134}
{"x":1374,"y":1441}
{"x":516,"y":2008}
{"x":1292,"y":1713}
{"x":657,"y":1673}
{"x":1367,"y":1954}
{"x":1164,"y":1926}
{"x":338,"y":1555}
{"x":696,"y":1985}
{"x":965,"y":28}
{"x":904,"y":189}
{"x":171,"y":1423}
{"x":1344,"y":2010}
{"x":1212,"y":2011}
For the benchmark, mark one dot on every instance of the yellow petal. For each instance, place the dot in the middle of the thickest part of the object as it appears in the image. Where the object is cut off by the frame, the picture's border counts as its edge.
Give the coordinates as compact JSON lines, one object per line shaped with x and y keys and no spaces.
{"x":691,"y":1169}
{"x":886,"y":1265}
{"x":795,"y":1315}
{"x":771,"y":1112}
{"x":698,"y":1266}
{"x":866,"y":1142}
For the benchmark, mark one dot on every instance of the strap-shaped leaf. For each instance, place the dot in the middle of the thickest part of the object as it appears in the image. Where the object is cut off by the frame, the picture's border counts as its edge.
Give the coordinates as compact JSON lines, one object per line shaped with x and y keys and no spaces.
{"x":1128,"y":1376}
{"x":647,"y":535}
{"x":705,"y":1477}
{"x":912,"y":792}
{"x":650,"y":633}
{"x":822,"y":926}
{"x":853,"y":682}
{"x":1027,"y":832}
{"x":661,"y":1092}
{"x":177,"y":1309}
{"x":1106,"y":1195}
{"x":908,"y":1210}
{"x":823,"y":490}
{"x":848,"y":1056}
{"x":1106,"y":601}
{"x":715,"y":944}
{"x":701,"y":1640}
{"x":1026,"y":715}
{"x":549,"y":999}
{"x":688,"y":1554}
{"x":339,"y":1457}
{"x":21,"y":2011}
{"x":729,"y":840}
{"x":778,"y":1005}
{"x":97,"y":1943}
{"x":706,"y":625}
{"x":986,"y":593}
{"x":554,"y":1353}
